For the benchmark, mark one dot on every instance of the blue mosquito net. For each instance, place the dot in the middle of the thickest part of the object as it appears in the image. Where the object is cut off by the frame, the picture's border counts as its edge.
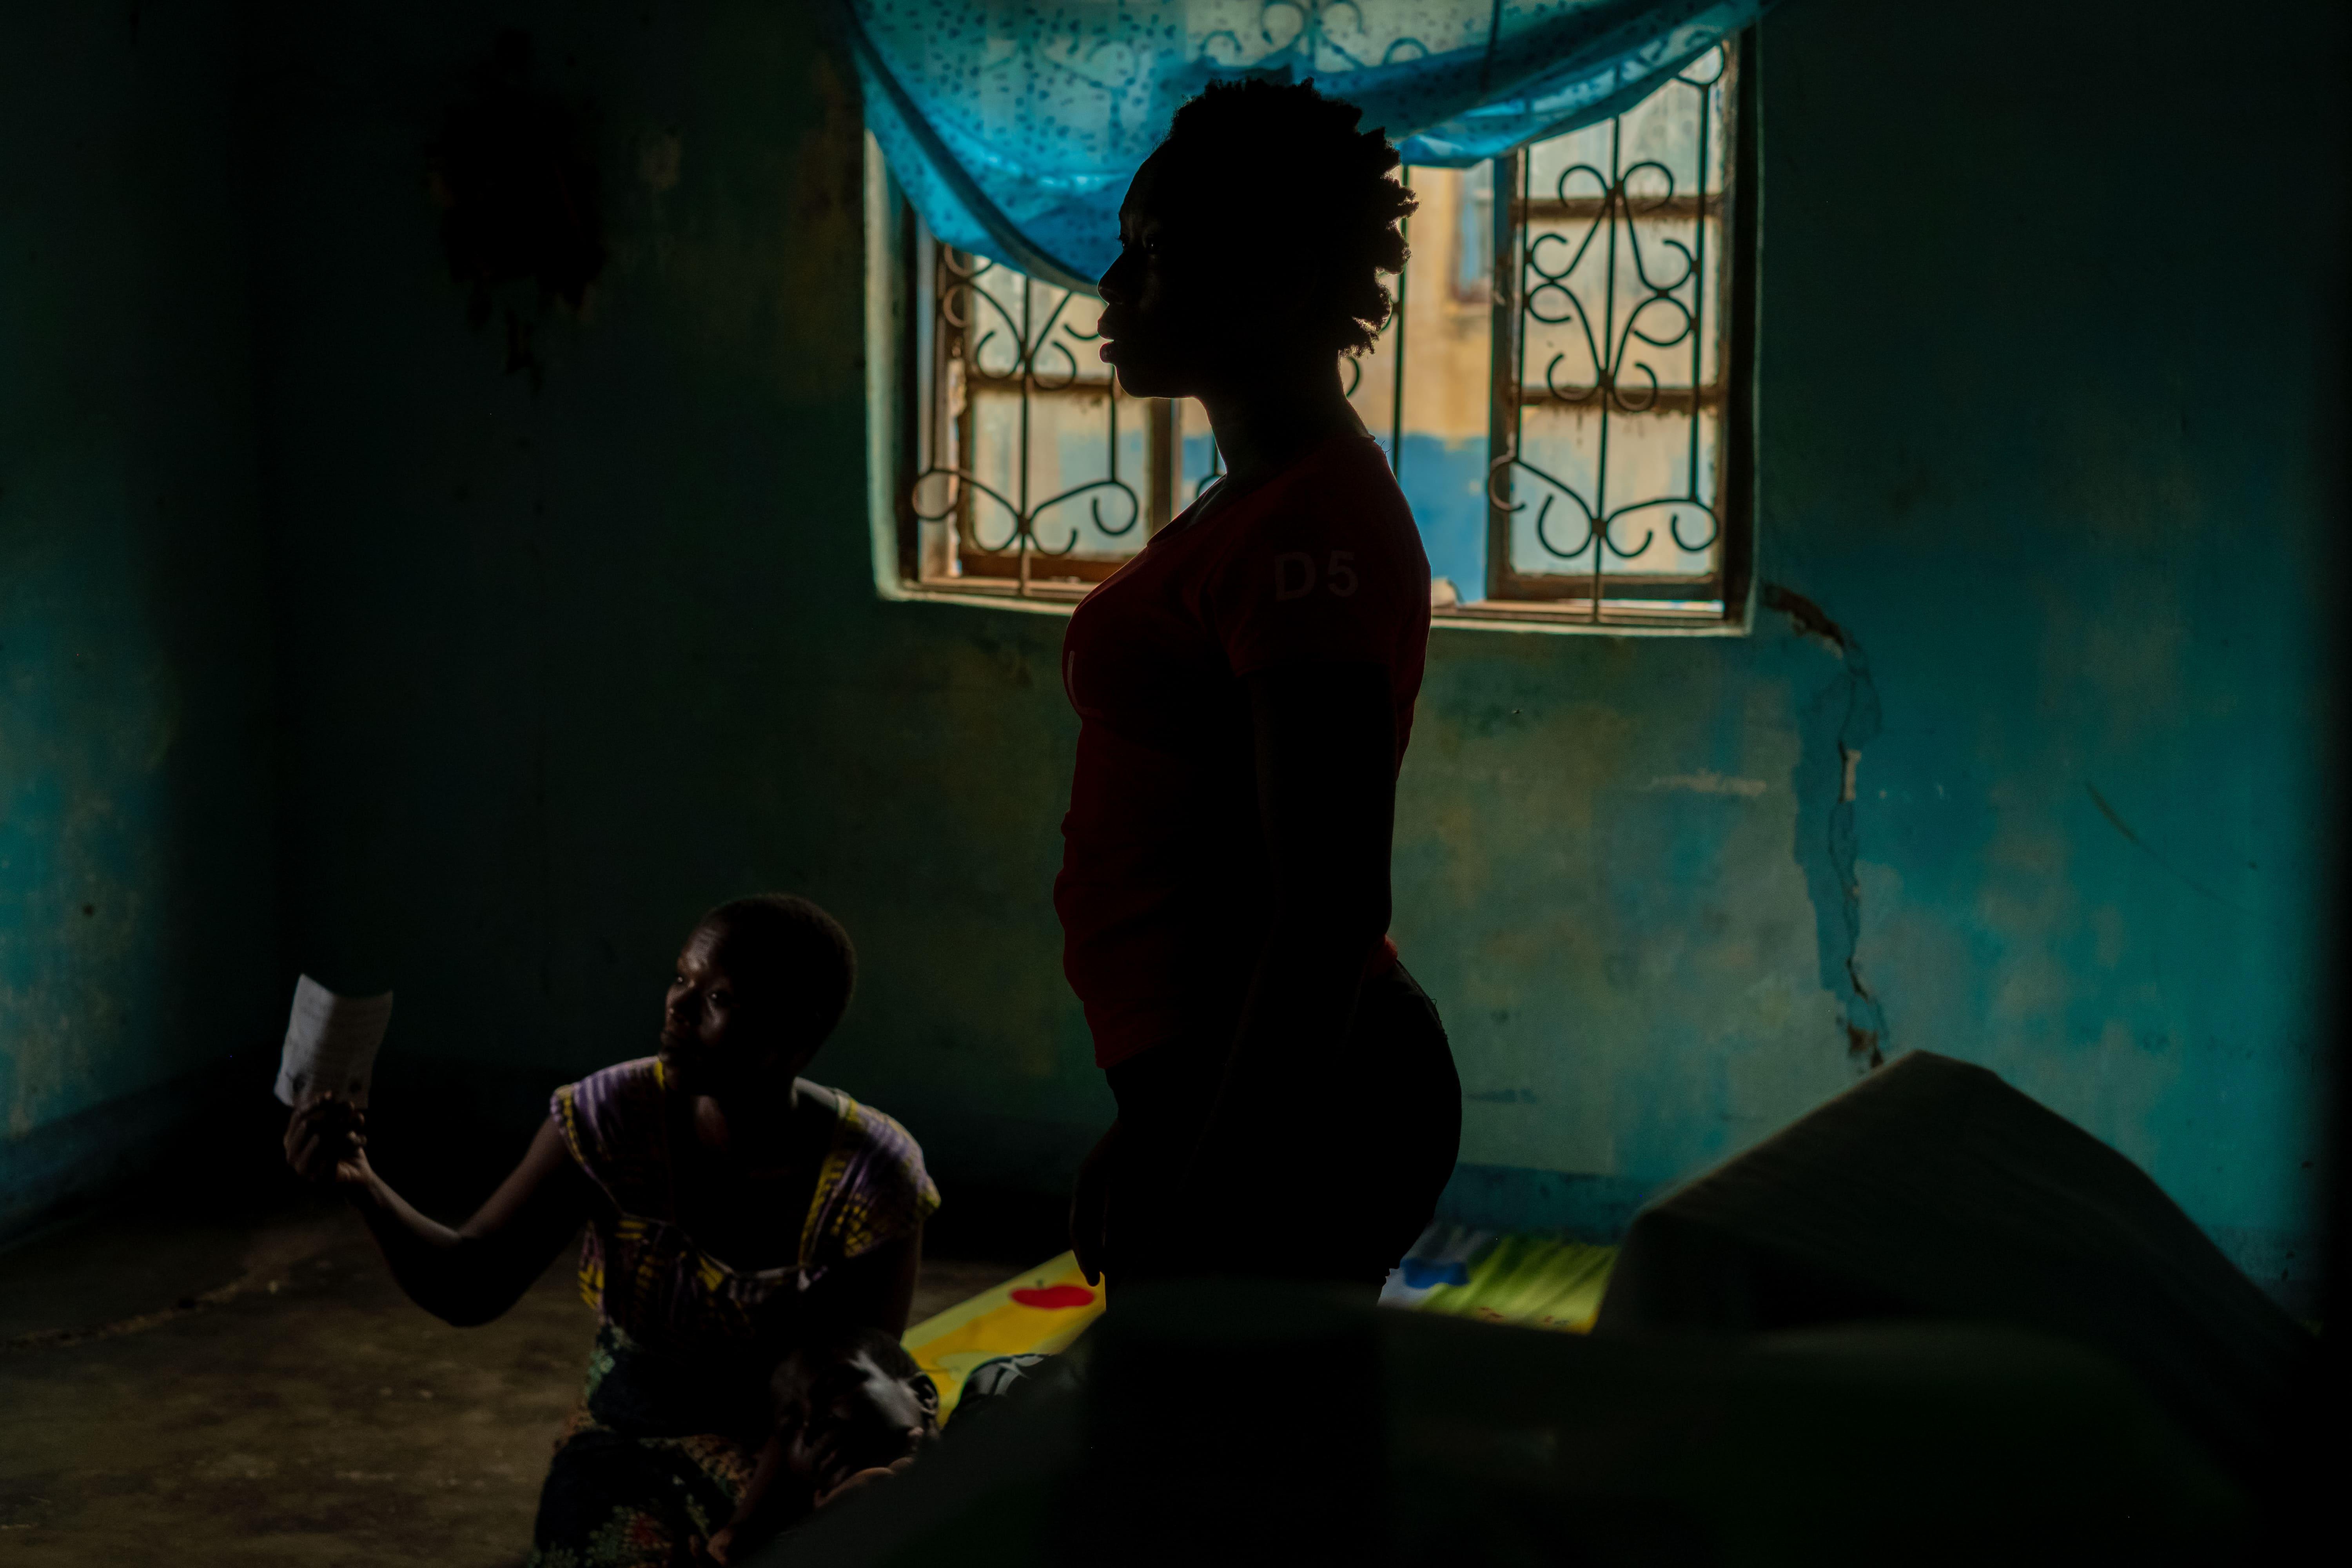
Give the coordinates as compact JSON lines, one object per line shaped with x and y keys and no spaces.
{"x":1016,"y":125}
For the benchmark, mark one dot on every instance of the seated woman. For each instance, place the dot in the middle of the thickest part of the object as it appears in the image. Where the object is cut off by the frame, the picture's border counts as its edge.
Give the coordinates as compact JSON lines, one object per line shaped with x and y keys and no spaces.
{"x":735,"y":1211}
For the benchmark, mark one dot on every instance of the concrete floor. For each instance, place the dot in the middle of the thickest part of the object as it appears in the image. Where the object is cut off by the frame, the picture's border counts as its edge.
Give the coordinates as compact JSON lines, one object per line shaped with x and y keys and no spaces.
{"x":249,"y":1389}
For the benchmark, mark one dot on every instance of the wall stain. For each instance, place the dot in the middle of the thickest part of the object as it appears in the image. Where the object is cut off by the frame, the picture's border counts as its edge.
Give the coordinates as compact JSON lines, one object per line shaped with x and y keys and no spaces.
{"x":1842,"y":719}
{"x":519,"y":192}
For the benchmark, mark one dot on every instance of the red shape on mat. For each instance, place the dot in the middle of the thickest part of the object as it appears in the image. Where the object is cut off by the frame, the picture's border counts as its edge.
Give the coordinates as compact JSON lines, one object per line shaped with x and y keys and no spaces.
{"x":1054,"y":1296}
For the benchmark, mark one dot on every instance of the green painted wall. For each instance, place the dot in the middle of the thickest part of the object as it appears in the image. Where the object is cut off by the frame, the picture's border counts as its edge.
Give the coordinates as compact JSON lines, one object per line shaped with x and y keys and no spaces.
{"x":2047,"y":305}
{"x":137,"y":918}
{"x":568,"y":662}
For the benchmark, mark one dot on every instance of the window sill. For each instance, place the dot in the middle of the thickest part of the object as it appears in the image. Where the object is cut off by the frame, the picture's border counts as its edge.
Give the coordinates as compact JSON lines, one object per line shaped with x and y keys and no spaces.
{"x":1555,"y":618}
{"x":986,"y":594}
{"x":1574,"y":618}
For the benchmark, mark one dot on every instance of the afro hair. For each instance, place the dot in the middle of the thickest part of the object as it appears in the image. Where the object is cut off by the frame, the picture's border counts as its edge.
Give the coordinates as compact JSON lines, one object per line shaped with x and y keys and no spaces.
{"x":1286,"y":166}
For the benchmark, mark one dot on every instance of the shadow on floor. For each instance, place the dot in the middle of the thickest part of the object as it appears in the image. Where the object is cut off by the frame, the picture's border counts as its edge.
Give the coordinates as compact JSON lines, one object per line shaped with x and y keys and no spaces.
{"x":245,"y":1384}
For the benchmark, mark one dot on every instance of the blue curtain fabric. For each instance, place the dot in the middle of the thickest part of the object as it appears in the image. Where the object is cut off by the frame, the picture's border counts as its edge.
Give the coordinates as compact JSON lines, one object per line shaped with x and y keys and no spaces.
{"x":1016,"y":125}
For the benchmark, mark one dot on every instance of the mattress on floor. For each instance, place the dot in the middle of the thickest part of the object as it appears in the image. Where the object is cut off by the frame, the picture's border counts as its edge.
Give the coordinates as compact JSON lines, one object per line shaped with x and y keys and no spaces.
{"x":1932,"y":1189}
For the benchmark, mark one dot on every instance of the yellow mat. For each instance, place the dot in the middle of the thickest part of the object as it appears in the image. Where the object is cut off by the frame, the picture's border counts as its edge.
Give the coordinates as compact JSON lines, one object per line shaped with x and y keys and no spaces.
{"x":1041,"y":1309}
{"x":1539,"y":1281}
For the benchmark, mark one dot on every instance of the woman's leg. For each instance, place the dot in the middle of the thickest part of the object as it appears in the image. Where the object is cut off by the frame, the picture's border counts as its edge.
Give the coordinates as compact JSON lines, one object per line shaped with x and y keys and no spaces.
{"x":621,"y":1492}
{"x":611,"y":1501}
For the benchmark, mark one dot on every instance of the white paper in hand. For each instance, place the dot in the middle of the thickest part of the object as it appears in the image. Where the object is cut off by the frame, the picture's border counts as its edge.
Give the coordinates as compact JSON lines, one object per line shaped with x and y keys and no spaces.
{"x":331,"y":1044}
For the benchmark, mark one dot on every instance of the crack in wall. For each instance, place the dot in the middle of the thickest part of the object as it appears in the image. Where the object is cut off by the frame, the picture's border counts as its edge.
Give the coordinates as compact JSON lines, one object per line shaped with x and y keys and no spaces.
{"x":1842,"y":718}
{"x":2115,"y":821}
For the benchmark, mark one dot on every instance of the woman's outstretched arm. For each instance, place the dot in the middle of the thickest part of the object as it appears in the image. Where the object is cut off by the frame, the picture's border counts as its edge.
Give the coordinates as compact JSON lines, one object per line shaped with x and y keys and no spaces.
{"x":464,"y":1275}
{"x":1326,"y":749}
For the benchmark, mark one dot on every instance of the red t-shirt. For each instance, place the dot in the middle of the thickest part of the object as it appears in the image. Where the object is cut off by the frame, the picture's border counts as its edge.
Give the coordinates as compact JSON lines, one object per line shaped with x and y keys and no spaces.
{"x":1166,"y":881}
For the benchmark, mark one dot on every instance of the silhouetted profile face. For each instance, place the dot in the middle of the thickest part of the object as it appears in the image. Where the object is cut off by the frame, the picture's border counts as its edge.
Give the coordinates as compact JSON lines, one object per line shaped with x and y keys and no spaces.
{"x":1169,"y":308}
{"x":1251,"y":244}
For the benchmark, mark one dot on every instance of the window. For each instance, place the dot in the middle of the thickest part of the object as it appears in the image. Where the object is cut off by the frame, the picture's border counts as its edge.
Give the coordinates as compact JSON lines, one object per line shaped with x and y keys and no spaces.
{"x":1562,"y":392}
{"x":1033,"y":474}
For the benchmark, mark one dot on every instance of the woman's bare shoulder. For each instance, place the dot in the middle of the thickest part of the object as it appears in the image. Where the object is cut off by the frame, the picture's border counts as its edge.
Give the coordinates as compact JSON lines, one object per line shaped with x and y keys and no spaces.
{"x":612,"y":1122}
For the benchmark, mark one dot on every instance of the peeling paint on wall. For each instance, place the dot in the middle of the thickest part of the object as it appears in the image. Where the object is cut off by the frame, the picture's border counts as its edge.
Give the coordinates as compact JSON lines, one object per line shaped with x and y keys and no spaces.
{"x":1707,"y":780}
{"x":1841,"y":718}
{"x":514,"y":173}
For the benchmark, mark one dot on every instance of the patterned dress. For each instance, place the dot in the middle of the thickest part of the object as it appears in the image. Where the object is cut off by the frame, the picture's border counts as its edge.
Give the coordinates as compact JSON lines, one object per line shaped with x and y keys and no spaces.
{"x":675,"y":1407}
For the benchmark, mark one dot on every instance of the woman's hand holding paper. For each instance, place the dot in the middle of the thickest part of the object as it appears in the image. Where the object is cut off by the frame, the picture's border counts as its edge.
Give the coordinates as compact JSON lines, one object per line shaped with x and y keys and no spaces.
{"x":326,"y":1142}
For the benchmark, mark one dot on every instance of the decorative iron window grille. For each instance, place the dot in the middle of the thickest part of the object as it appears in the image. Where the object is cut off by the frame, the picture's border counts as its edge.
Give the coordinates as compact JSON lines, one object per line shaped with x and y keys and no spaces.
{"x":1035,"y":474}
{"x":1615,"y":478}
{"x":1573,"y":434}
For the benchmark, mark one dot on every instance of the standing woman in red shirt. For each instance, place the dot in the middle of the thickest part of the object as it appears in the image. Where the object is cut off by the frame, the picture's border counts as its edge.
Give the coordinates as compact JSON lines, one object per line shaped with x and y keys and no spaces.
{"x":1288,"y":1104}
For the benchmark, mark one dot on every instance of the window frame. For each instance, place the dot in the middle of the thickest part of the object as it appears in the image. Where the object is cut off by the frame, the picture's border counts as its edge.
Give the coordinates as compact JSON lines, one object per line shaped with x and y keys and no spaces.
{"x":1549,"y":602}
{"x":1513,"y":596}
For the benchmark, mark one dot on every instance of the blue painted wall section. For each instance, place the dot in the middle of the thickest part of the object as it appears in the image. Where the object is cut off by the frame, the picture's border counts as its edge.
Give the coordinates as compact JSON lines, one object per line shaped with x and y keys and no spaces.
{"x":136,"y":920}
{"x":2019,"y":762}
